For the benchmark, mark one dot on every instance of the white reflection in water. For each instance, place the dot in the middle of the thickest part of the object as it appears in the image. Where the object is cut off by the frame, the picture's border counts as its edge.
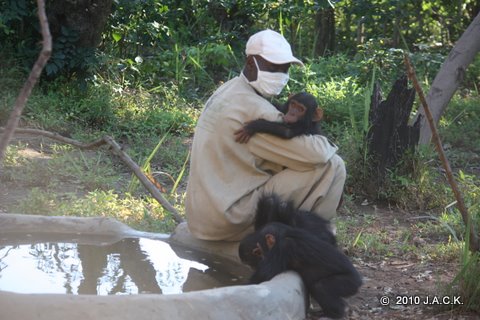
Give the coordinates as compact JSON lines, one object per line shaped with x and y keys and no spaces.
{"x":126,"y":267}
{"x":40,"y":268}
{"x":171,"y":270}
{"x":112,"y":275}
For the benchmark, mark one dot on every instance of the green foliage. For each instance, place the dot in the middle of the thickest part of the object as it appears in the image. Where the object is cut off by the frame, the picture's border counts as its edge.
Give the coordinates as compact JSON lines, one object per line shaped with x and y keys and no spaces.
{"x":459,"y":125}
{"x":67,"y":57}
{"x":416,"y":183}
{"x":147,"y":26}
{"x":65,"y":106}
{"x":154,"y":113}
{"x":333,"y":80}
{"x":423,"y":22}
{"x":12,"y":11}
{"x":107,"y":107}
{"x":19,"y":28}
{"x":186,"y":67}
{"x":472,"y":78}
{"x":376,"y":54}
{"x":466,"y":282}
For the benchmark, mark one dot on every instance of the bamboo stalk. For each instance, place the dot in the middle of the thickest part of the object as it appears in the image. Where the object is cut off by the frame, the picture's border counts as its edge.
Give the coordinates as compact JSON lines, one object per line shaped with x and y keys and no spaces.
{"x":474,"y":244}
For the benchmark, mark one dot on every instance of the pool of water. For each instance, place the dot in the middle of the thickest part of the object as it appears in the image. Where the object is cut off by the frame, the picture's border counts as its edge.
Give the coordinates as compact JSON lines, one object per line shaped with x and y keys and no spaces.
{"x":36,"y":263}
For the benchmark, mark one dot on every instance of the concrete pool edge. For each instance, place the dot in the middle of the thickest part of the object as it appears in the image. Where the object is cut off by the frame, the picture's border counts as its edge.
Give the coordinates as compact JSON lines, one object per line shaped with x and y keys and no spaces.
{"x":281,"y":298}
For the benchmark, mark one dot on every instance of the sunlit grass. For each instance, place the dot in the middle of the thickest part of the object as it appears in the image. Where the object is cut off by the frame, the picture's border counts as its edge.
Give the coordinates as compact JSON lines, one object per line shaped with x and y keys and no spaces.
{"x":142,"y":214}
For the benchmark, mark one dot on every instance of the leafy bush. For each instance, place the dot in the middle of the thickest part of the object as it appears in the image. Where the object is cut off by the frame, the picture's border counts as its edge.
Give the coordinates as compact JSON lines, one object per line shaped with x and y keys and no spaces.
{"x":68,"y":58}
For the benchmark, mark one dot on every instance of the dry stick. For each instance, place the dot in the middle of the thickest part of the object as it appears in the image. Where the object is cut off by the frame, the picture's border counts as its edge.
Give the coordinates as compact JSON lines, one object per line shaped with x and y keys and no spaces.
{"x":142,"y":177}
{"x":474,"y":245}
{"x":117,"y":149}
{"x":30,"y":83}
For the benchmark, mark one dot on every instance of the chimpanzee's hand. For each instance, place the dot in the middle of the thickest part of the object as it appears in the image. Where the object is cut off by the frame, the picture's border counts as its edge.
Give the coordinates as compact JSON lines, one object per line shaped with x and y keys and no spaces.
{"x":243,"y":134}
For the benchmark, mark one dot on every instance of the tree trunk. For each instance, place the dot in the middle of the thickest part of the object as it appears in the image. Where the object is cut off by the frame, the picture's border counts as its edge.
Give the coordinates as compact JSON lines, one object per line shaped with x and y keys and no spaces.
{"x":390,"y":135}
{"x":325,"y":31}
{"x":450,"y":76}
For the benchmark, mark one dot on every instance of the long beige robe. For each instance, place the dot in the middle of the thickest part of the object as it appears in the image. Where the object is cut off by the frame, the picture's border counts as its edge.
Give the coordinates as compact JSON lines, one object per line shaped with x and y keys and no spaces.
{"x":226,"y":178}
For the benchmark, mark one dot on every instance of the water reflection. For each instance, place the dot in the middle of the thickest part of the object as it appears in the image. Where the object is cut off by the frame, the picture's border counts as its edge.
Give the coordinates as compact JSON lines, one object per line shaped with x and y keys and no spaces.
{"x":129,"y":266}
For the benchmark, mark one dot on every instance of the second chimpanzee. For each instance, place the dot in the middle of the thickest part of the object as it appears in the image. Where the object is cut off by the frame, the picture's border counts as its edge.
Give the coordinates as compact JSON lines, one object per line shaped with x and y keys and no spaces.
{"x":270,"y":208}
{"x":301,"y":116}
{"x":327,"y":273}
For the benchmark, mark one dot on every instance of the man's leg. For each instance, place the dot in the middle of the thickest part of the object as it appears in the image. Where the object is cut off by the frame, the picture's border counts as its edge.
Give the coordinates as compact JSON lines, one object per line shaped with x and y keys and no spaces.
{"x":318,"y":190}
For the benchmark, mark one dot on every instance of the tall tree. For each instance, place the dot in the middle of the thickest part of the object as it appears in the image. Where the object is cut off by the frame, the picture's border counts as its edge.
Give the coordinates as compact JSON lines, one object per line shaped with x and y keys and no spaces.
{"x":450,"y":76}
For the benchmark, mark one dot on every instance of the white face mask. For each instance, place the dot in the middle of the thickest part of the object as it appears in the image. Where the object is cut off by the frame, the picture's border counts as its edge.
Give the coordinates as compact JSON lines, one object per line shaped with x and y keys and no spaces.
{"x":269,"y":84}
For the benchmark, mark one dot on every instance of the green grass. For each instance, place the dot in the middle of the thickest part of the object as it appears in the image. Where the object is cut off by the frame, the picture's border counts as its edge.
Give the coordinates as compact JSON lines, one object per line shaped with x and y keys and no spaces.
{"x":142,"y":214}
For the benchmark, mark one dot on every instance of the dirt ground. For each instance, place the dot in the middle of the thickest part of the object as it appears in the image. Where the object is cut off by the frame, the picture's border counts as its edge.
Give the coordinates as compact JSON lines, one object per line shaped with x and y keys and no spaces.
{"x":397,"y":287}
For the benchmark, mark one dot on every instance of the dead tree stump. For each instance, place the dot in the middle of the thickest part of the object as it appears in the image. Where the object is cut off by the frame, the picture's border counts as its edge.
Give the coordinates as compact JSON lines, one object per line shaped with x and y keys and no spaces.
{"x":390,"y":136}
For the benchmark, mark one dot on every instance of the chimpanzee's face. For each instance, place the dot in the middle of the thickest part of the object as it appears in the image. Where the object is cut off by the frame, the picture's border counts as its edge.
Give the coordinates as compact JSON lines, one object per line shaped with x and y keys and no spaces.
{"x":296,"y":111}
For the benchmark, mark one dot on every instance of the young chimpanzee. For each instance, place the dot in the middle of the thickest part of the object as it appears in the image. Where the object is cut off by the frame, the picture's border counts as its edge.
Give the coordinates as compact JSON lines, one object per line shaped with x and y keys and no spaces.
{"x":301,"y":116}
{"x":270,"y":208}
{"x":327,"y":273}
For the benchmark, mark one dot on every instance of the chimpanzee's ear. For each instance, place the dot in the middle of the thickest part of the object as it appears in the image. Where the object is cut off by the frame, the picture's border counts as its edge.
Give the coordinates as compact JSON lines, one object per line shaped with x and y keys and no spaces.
{"x":317,"y":115}
{"x":270,"y":240}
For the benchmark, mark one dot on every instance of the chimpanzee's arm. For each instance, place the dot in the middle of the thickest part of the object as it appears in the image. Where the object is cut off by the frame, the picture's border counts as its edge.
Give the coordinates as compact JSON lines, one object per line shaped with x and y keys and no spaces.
{"x":278,"y":129}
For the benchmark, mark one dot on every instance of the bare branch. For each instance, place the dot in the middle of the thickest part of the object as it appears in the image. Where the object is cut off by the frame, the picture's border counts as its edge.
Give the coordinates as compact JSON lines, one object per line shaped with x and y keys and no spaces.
{"x":142,"y":177}
{"x":474,"y":244}
{"x":30,"y":83}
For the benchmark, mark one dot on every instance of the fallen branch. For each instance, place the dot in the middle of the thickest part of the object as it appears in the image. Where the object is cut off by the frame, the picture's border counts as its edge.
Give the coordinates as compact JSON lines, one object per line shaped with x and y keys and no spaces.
{"x":117,"y":150}
{"x":474,"y":244}
{"x":30,"y":83}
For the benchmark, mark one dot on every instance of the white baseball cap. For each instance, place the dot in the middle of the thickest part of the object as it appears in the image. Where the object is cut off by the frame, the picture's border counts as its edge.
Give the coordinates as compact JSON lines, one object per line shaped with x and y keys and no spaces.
{"x":271,"y":46}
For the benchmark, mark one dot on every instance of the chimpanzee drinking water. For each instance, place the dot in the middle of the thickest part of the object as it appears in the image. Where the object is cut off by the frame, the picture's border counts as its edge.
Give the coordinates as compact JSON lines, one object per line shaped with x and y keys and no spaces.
{"x":301,"y":116}
{"x":271,"y":208}
{"x":327,"y":273}
{"x":275,"y":218}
